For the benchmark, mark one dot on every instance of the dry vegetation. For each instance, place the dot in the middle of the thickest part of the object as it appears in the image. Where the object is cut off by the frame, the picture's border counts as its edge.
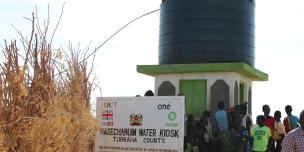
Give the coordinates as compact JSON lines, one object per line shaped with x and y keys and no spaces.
{"x":44,"y":104}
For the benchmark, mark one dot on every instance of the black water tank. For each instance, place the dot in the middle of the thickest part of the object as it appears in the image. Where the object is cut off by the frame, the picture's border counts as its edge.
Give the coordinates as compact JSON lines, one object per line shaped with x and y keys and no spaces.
{"x":206,"y":31}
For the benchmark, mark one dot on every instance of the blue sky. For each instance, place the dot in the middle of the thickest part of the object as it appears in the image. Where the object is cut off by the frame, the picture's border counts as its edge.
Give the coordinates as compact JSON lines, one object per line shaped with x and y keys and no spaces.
{"x":279,"y":43}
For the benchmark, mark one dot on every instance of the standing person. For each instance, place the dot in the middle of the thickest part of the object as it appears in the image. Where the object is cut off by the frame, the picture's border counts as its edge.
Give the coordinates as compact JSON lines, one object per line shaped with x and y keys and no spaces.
{"x":291,"y":121}
{"x":294,"y":140}
{"x":246,"y":119}
{"x":185,"y":131}
{"x":206,"y":134}
{"x":190,"y":133}
{"x":222,"y":124}
{"x":279,"y":131}
{"x":269,"y":122}
{"x":261,"y":136}
{"x":199,"y":131}
{"x":246,"y":124}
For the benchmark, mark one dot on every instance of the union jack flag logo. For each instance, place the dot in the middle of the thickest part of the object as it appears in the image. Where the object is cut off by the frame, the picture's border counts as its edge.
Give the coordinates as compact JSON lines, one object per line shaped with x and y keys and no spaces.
{"x":107,"y":115}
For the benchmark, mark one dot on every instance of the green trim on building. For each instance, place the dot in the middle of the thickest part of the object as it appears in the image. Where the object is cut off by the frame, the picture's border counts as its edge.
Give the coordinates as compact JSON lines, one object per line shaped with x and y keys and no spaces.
{"x":241,"y":68}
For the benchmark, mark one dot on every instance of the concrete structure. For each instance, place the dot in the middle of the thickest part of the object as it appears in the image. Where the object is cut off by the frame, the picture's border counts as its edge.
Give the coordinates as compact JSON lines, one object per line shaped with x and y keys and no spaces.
{"x":205,"y":84}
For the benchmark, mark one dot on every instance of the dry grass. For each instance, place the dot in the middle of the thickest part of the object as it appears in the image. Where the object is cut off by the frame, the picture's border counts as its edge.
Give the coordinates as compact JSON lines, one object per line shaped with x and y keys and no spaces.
{"x":39,"y":110}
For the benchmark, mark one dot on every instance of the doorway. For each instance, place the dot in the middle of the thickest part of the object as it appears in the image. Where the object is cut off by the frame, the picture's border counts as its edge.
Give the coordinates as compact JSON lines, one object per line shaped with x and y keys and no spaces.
{"x":195,"y":92}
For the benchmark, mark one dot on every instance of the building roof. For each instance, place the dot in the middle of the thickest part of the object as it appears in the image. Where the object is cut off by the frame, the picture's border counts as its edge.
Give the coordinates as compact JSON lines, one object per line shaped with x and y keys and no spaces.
{"x":241,"y":68}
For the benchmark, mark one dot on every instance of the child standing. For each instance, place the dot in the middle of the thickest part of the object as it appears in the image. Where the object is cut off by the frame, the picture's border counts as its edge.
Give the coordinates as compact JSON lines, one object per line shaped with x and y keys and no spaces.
{"x":261,"y":135}
{"x":207,"y":131}
{"x":269,"y":122}
{"x":279,"y":131}
{"x":190,"y":133}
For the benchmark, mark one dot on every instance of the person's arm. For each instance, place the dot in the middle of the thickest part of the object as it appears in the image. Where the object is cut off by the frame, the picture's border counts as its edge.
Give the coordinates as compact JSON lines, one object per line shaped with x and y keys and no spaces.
{"x":229,"y":120}
{"x":248,"y":123}
{"x":270,"y":141}
{"x":273,"y":122}
{"x":281,"y":130}
{"x":286,"y":124}
{"x":251,"y":137}
{"x":214,"y":126}
{"x":298,"y":122}
{"x":269,"y":146}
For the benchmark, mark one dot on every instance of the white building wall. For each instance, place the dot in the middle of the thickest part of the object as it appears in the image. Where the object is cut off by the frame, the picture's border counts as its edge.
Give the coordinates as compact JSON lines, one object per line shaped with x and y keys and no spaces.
{"x":212,"y":77}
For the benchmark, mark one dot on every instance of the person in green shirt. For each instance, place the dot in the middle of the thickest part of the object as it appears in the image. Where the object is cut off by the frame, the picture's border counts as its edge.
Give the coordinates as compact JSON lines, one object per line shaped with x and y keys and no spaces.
{"x":261,"y":136}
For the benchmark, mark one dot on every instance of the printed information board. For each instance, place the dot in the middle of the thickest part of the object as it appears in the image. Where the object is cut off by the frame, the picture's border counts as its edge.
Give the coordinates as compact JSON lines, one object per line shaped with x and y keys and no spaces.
{"x":152,"y":124}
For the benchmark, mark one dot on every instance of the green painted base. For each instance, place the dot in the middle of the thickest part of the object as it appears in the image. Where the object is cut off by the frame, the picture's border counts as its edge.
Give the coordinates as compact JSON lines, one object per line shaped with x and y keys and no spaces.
{"x":241,"y":68}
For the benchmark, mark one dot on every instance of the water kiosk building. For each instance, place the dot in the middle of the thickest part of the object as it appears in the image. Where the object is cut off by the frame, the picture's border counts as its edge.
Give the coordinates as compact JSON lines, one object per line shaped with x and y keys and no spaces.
{"x":206,"y":52}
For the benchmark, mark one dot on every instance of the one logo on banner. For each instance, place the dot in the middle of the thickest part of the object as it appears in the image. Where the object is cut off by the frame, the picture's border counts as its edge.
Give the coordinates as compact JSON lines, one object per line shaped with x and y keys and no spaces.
{"x":136,"y":119}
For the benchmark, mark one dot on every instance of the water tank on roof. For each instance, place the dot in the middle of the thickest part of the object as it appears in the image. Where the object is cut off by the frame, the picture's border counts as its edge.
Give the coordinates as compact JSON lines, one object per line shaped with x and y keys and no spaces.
{"x":206,"y":31}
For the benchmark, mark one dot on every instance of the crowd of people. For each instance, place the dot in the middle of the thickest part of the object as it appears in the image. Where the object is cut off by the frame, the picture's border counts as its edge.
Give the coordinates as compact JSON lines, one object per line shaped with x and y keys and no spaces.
{"x":233,"y":130}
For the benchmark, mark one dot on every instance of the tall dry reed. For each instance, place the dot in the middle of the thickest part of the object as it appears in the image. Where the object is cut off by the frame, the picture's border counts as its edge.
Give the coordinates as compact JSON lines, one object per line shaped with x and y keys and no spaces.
{"x":44,"y":104}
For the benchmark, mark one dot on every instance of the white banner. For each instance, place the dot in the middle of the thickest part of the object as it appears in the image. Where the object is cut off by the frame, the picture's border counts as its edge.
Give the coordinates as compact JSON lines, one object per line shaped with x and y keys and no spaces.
{"x":152,"y":124}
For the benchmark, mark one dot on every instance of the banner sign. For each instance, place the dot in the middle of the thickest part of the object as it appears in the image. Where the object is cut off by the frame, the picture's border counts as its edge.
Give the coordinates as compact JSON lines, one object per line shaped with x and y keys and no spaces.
{"x":139,"y":124}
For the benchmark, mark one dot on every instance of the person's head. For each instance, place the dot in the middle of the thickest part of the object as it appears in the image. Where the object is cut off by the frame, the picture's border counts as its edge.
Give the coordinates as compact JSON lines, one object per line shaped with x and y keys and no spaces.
{"x":266,"y":109}
{"x":244,"y":108}
{"x":238,"y":110}
{"x":190,"y":118}
{"x":288,"y":109}
{"x":205,"y":117}
{"x":180,"y":94}
{"x":149,"y":93}
{"x":260,"y":120}
{"x":221,"y":105}
{"x":207,"y":114}
{"x":277,"y":115}
{"x":302,"y":119}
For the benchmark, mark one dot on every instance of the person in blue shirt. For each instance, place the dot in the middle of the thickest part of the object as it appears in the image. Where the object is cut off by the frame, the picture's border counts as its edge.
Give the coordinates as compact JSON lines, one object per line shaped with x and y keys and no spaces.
{"x":291,"y":121}
{"x":222,"y":126}
{"x":221,"y":117}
